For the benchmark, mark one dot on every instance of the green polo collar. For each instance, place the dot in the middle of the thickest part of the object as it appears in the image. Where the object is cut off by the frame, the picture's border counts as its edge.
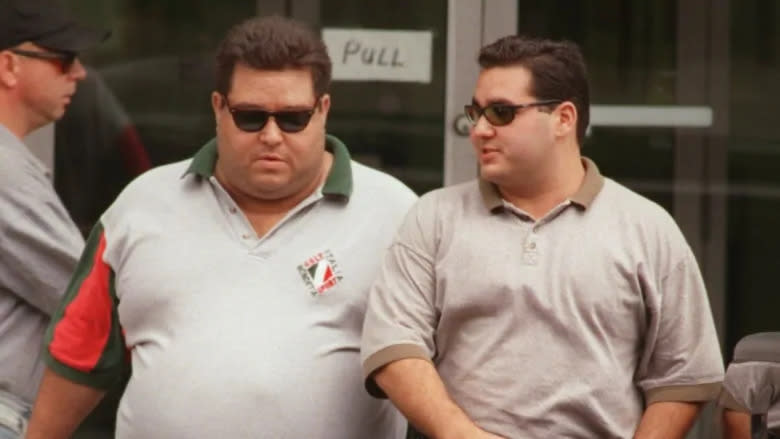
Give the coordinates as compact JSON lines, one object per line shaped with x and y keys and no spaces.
{"x":339,"y":181}
{"x":204,"y":161}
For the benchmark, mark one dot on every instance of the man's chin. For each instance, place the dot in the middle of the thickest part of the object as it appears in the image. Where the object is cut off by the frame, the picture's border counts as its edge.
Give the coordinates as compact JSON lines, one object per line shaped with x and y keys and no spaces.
{"x":272,"y":188}
{"x":57,"y":114}
{"x":491,"y":173}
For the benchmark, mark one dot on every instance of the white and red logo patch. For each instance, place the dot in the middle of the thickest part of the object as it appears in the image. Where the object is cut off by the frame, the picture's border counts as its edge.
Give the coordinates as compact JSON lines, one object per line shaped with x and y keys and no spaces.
{"x":320,"y":273}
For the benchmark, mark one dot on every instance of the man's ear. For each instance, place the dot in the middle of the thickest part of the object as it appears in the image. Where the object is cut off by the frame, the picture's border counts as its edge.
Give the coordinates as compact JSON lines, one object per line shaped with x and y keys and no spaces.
{"x":566,"y":119}
{"x":217,"y":102}
{"x":325,"y":104}
{"x":9,"y":69}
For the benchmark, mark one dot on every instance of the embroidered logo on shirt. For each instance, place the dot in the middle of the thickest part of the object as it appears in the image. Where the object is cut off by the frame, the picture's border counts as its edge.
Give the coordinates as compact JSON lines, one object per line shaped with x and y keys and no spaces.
{"x":320,"y":273}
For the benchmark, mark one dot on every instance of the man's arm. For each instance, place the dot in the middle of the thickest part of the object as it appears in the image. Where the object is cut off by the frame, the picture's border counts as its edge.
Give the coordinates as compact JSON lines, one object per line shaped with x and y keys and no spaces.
{"x":416,"y":389}
{"x":681,"y":367}
{"x":736,"y":424}
{"x":398,"y":337}
{"x":40,"y":245}
{"x":667,"y":420}
{"x":60,"y":407}
{"x":84,"y":347}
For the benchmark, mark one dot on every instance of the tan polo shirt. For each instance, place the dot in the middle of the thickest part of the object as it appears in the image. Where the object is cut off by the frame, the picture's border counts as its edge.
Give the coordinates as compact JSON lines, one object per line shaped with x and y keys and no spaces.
{"x":566,"y":326}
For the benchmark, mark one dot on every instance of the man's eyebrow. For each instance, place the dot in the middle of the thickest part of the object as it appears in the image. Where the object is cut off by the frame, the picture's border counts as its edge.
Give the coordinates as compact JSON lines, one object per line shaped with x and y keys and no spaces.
{"x":500,"y":102}
{"x":255,"y":107}
{"x":490,"y":102}
{"x":245,"y":106}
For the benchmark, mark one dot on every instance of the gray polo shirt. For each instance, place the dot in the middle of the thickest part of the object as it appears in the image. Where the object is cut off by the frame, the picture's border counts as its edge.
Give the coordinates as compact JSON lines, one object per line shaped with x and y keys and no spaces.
{"x":565,"y":326}
{"x":39,"y":249}
{"x":230,"y":334}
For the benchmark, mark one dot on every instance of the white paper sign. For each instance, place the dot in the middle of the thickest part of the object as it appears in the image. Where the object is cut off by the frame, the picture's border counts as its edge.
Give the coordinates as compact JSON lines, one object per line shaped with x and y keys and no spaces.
{"x":380,"y":55}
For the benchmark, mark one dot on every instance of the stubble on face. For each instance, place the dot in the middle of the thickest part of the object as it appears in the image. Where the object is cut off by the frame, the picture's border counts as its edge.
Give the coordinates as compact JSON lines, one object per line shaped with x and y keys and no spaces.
{"x":271,"y":165}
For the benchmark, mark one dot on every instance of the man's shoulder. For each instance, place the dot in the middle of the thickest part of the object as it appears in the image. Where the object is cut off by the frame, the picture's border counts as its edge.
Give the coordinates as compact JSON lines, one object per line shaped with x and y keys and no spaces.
{"x":620,"y":199}
{"x":458,"y":191}
{"x":155,"y":183}
{"x":168,"y":174}
{"x":457,"y":197}
{"x":638,"y":217}
{"x":366,"y":175}
{"x":447,"y":205}
{"x":378,"y":186}
{"x":15,"y":159}
{"x":21,"y":173}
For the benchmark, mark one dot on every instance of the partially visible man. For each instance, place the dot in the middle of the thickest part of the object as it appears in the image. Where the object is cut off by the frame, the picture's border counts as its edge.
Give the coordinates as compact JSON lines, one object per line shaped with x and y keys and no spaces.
{"x":541,"y":300}
{"x":235,"y":281}
{"x":39,"y":244}
{"x":749,"y":402}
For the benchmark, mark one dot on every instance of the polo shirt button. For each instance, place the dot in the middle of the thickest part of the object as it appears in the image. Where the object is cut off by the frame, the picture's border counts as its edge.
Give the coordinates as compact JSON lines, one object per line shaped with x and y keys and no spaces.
{"x":233,"y":210}
{"x":532,"y":245}
{"x":245,"y":236}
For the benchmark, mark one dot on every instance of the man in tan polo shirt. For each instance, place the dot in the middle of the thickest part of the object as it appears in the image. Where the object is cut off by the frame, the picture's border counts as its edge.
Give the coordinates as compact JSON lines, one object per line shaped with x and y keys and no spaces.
{"x":542,"y":299}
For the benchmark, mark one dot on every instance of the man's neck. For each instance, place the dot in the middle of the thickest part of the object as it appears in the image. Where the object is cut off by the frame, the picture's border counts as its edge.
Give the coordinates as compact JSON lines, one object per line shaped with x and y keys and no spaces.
{"x":12,"y":117}
{"x":265,"y":214}
{"x":538,"y":193}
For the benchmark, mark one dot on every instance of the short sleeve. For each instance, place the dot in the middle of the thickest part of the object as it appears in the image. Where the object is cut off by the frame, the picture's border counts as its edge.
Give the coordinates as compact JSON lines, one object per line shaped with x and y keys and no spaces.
{"x":84,"y":342}
{"x":401,"y":316}
{"x":682,"y":359}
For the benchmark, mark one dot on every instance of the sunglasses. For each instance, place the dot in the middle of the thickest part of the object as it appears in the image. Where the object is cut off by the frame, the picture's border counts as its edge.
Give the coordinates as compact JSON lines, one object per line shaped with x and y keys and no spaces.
{"x":502,"y":114}
{"x":252,"y":121}
{"x":64,"y":59}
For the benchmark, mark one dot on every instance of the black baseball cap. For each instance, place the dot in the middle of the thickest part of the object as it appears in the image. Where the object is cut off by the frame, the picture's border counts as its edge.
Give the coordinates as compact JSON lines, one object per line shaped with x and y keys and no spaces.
{"x":46,"y":23}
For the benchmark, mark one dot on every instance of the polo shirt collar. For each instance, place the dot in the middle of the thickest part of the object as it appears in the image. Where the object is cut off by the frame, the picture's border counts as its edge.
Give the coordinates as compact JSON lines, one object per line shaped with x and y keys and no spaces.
{"x":338,"y":183}
{"x":591,"y":186}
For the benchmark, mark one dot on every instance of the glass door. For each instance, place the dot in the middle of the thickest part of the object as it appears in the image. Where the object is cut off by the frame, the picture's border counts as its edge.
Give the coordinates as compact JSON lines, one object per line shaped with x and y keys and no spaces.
{"x":389,"y":88}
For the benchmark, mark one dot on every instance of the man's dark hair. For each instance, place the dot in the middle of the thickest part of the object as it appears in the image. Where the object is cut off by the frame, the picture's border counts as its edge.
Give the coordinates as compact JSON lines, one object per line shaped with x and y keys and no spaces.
{"x":273,"y":43}
{"x":557,"y":71}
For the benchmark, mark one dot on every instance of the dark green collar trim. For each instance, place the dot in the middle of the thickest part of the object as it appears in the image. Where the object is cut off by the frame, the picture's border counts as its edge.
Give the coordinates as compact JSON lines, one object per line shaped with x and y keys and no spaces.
{"x":339,"y":181}
{"x":204,"y":160}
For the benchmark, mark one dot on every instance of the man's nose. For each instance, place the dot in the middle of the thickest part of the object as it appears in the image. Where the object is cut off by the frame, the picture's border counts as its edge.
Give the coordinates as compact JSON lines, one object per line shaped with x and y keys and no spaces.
{"x":77,"y":70}
{"x":482,"y":128}
{"x":271,"y":133}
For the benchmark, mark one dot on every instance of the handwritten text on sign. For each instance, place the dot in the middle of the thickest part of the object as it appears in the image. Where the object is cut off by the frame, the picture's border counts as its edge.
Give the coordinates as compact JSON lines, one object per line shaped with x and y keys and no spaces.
{"x":380,"y":55}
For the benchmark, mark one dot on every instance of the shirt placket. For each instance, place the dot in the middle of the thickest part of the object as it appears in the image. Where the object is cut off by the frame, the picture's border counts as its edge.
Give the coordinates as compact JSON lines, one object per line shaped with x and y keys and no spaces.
{"x":242,"y":227}
{"x":531,"y":238}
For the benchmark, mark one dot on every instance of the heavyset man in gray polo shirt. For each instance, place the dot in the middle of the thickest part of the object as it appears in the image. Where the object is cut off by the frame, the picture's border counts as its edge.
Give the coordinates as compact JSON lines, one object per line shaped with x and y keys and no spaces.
{"x":235,"y":282}
{"x":542,"y":300}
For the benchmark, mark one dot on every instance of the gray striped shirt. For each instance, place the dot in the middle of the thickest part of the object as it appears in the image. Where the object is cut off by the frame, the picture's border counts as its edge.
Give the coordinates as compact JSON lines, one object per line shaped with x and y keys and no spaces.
{"x":39,"y":249}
